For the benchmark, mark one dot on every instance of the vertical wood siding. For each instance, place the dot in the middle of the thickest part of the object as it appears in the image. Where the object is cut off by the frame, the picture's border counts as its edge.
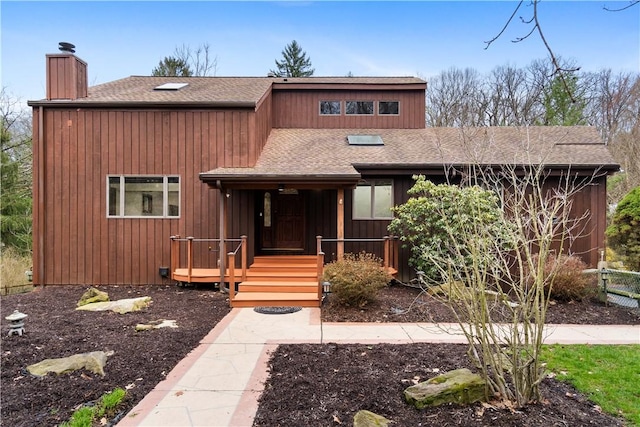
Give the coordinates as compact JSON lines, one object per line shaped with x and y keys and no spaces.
{"x":301,"y":109}
{"x":82,"y":146}
{"x":66,"y":77}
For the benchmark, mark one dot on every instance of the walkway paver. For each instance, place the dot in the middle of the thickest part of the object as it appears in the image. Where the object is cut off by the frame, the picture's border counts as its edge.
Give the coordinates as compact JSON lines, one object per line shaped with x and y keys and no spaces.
{"x":219,"y":382}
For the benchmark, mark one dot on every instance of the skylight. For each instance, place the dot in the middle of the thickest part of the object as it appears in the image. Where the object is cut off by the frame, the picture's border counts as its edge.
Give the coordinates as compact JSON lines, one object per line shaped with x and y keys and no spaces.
{"x":365,"y":140}
{"x":171,"y":86}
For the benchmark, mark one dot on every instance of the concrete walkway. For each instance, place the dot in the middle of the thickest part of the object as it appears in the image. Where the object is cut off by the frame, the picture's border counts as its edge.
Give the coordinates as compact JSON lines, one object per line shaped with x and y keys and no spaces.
{"x":219,"y":382}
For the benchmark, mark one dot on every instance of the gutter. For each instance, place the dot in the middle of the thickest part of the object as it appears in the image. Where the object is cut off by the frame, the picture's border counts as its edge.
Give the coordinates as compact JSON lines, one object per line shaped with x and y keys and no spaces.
{"x":67,"y":103}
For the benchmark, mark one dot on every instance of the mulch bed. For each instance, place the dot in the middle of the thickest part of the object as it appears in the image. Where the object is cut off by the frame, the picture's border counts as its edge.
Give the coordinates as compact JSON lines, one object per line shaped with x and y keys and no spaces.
{"x":309,"y":384}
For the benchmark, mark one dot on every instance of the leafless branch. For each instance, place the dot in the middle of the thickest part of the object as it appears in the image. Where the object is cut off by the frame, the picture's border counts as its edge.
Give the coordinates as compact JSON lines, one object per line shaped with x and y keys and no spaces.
{"x":631,"y":4}
{"x":554,"y":60}
{"x":488,"y":43}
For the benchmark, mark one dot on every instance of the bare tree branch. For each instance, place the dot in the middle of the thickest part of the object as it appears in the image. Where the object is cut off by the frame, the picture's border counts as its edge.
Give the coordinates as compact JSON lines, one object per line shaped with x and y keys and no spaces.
{"x":631,"y":4}
{"x":488,"y":43}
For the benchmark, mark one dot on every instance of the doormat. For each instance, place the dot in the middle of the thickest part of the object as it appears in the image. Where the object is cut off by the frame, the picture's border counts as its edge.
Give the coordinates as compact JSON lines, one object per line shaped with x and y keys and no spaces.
{"x":276,"y":310}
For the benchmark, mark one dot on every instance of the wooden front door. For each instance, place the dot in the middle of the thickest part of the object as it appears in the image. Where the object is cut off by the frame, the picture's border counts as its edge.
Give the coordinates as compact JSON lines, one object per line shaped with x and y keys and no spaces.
{"x":282,"y":221}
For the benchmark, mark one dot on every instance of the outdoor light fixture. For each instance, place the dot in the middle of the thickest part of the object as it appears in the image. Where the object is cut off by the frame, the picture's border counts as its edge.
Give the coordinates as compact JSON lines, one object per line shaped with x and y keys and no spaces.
{"x":163,"y":272}
{"x":326,"y":287}
{"x":604,"y":275}
{"x":280,"y":188}
{"x":16,"y":323}
{"x":29,"y":274}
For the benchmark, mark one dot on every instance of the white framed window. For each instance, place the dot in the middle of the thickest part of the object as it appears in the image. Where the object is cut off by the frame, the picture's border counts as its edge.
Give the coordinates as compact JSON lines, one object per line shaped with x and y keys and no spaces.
{"x":391,"y":108}
{"x":135,"y":196}
{"x":359,"y":107}
{"x":373,"y":199}
{"x":330,"y":108}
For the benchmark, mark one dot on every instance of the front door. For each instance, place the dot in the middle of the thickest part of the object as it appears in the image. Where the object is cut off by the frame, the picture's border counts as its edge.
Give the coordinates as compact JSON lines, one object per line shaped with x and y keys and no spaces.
{"x":282,"y":221}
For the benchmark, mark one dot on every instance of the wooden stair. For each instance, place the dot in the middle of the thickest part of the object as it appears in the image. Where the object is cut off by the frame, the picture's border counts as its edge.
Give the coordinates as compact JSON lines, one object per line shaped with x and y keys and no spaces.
{"x":279,"y":281}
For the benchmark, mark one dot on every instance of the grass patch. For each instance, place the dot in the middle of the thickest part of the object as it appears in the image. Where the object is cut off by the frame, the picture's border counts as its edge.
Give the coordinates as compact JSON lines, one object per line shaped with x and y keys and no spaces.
{"x":85,"y":416}
{"x":607,"y":374}
{"x":12,"y":272}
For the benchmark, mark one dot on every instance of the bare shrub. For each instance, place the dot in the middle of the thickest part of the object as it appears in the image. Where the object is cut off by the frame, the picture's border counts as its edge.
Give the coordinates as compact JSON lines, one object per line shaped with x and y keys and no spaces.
{"x":569,"y":282}
{"x":356,"y":278}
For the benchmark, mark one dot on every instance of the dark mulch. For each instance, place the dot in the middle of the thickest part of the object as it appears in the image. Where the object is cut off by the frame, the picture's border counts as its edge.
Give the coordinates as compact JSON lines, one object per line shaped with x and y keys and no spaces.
{"x":403,"y":304}
{"x":325,"y":385}
{"x":309,"y":383}
{"x":55,"y":329}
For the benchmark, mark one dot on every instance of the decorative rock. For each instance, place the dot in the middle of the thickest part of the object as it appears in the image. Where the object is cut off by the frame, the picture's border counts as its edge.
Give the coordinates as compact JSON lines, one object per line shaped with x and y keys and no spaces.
{"x":93,"y":295}
{"x":120,"y":306}
{"x":366,"y":418}
{"x":459,"y":386}
{"x":93,"y":361}
{"x":156,"y":325}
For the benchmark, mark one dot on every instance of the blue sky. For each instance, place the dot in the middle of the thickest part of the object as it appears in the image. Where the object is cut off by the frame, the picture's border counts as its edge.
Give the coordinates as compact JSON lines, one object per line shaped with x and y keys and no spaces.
{"x":367,"y":38}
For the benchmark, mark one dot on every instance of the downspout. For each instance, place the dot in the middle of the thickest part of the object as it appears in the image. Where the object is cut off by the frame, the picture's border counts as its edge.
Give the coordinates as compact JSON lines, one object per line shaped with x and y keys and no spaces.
{"x":39,"y":276}
{"x":221,"y":232}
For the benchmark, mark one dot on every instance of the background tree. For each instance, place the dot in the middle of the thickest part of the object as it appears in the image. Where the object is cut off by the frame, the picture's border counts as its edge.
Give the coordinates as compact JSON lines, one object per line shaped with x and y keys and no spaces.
{"x":188,"y":62}
{"x":295,"y":62}
{"x":624,"y":232}
{"x":509,"y":96}
{"x":171,"y":66}
{"x":563,"y":101}
{"x":15,"y":175}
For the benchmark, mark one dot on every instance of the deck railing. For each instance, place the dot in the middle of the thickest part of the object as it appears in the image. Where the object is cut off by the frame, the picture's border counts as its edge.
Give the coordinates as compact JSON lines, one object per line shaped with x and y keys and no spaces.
{"x":390,"y":251}
{"x":177,"y":242}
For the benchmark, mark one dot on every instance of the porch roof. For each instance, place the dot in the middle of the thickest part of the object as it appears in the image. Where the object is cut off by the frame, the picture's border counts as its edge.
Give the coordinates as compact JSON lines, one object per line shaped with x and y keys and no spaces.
{"x":323,"y":155}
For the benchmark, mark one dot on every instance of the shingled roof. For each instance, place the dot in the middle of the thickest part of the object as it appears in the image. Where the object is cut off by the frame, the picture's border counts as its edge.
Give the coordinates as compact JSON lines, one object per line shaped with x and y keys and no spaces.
{"x":324,"y":154}
{"x":212,"y":91}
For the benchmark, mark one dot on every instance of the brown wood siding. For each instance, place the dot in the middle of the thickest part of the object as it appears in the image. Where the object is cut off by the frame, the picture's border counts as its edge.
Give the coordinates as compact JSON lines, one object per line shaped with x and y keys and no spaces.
{"x":66,"y":77}
{"x":301,"y":109}
{"x":264,"y":118}
{"x":80,"y":244}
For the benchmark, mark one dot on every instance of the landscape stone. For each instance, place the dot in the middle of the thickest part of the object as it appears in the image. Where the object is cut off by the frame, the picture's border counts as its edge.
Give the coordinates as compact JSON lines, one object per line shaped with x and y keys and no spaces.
{"x":93,"y":361}
{"x":120,"y":306}
{"x":366,"y":418}
{"x":93,"y":295}
{"x":156,"y":325}
{"x":459,"y":386}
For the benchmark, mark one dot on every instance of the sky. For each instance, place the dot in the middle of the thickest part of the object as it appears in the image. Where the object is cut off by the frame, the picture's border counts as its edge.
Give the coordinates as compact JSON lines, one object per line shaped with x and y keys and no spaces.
{"x":366,"y":38}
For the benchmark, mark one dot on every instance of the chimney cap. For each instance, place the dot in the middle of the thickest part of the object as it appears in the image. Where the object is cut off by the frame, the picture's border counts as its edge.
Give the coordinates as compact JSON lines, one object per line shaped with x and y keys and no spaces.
{"x":67,"y":47}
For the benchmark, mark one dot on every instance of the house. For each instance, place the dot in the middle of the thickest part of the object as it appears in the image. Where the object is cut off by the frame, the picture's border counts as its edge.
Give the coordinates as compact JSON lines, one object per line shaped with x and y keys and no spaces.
{"x":122,"y":166}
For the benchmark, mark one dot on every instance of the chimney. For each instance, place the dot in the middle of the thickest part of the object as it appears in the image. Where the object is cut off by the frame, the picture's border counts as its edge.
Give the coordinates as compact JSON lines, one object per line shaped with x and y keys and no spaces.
{"x":67,"y":76}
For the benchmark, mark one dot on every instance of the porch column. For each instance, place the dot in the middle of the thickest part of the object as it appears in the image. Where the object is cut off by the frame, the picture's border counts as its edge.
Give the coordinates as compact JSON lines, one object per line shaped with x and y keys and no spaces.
{"x":340,"y":213}
{"x":222,"y":232}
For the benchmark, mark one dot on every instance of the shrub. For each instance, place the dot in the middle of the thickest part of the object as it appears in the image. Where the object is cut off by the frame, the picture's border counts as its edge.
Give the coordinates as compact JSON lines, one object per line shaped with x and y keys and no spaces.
{"x":566,"y":280}
{"x":624,"y":232}
{"x":439,"y":223}
{"x":356,"y":278}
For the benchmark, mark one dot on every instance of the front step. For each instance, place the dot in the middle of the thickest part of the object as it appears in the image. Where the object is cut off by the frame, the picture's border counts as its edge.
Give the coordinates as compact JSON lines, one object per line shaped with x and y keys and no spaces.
{"x":277,"y":287}
{"x":280,"y":299}
{"x":282,"y":276}
{"x":280,"y":280}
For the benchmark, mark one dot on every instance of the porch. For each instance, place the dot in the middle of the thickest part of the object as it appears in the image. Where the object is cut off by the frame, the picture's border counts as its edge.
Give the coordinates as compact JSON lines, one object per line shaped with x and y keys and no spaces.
{"x":270,"y":280}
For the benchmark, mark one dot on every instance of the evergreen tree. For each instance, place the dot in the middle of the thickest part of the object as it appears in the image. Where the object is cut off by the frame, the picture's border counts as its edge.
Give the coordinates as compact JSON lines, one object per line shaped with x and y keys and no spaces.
{"x":172,"y":66}
{"x":563,"y":104}
{"x":624,"y":231}
{"x":15,"y":182}
{"x":295,"y":62}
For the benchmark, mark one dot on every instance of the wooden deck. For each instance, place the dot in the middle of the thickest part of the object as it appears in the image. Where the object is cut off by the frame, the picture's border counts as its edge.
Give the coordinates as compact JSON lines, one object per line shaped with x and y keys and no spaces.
{"x":198,"y":275}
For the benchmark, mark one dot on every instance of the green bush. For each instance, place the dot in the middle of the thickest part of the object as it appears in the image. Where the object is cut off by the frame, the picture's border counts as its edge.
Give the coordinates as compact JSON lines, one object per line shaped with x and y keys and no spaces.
{"x":569,"y":282}
{"x":356,"y":279}
{"x":440,"y":223}
{"x":624,"y":232}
